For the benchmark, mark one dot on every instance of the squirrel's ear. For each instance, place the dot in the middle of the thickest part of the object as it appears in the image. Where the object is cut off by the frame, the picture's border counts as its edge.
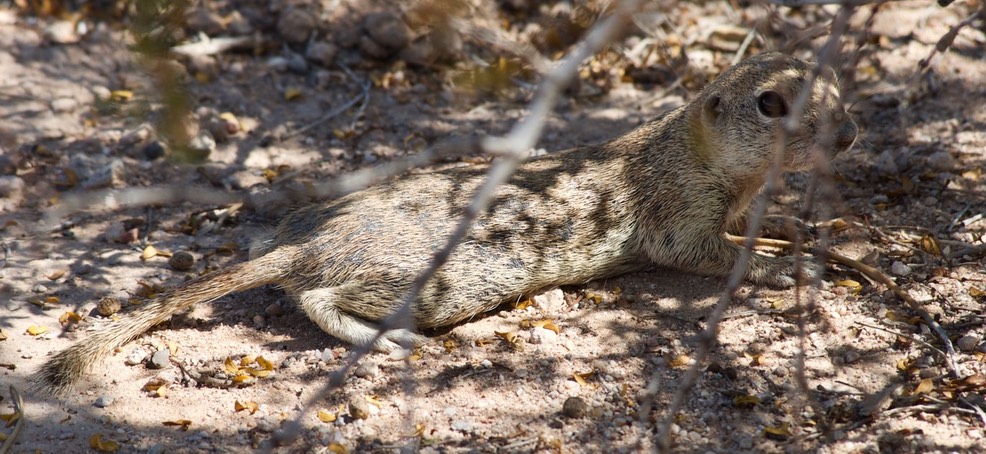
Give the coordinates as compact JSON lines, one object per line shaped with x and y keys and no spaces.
{"x":711,"y":109}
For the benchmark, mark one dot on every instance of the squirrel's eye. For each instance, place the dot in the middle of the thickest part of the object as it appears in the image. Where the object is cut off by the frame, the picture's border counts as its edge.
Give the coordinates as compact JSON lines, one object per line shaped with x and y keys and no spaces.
{"x":771,"y":104}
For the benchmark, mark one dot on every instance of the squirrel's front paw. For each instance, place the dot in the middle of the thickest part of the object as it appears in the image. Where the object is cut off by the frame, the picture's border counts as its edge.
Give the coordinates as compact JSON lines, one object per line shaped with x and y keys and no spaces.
{"x":783,"y":271}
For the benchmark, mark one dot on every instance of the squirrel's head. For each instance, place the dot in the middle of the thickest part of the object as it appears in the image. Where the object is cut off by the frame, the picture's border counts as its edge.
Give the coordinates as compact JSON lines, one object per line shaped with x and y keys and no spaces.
{"x":748,"y":106}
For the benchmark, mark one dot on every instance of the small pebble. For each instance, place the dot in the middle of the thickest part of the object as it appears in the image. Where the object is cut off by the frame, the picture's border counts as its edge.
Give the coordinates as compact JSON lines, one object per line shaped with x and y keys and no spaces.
{"x":899,"y":268}
{"x":574,"y":407}
{"x":203,"y":143}
{"x":259,"y":320}
{"x":367,"y":369}
{"x":40,"y":288}
{"x":942,"y":161}
{"x":63,"y":105}
{"x":295,"y":25}
{"x":159,"y":360}
{"x":181,"y":261}
{"x":359,"y":408}
{"x":108,"y":306}
{"x":852,"y":356}
{"x":136,"y":356}
{"x":967,"y":343}
{"x":61,"y":32}
{"x":274,"y":310}
{"x":103,"y":401}
{"x":154,"y":150}
{"x":322,"y":53}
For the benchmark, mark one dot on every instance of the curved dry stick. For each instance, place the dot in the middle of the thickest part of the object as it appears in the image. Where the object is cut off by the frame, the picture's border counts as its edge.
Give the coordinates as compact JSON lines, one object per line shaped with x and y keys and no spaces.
{"x":19,"y":411}
{"x":877,"y":276}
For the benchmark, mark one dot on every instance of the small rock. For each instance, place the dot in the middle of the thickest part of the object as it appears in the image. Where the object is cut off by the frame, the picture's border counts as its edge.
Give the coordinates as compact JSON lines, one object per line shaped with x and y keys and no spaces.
{"x":450,"y":412}
{"x":108,"y":176}
{"x":295,"y":25}
{"x":103,"y":401}
{"x":942,"y":161}
{"x":274,"y":310}
{"x":359,"y":408}
{"x":574,"y":407}
{"x":245,"y":179}
{"x":159,"y":360}
{"x":297,"y":64}
{"x":543,"y":336}
{"x":63,"y":105}
{"x":181,"y":261}
{"x":202,"y":144}
{"x":278,"y":63}
{"x":552,"y":302}
{"x":886,"y":164}
{"x":780,"y":371}
{"x":12,"y":189}
{"x":322,"y":53}
{"x":137,"y":356}
{"x":462,"y":425}
{"x":156,"y":449}
{"x":967,"y":343}
{"x":81,"y":269}
{"x":205,"y":21}
{"x":108,"y":306}
{"x":154,"y":150}
{"x":138,"y":135}
{"x":327,"y":355}
{"x":851,"y":356}
{"x":367,"y":369}
{"x":899,"y":268}
{"x":259,"y":321}
{"x":39,"y":288}
{"x":387,"y":30}
{"x":61,"y":32}
{"x":117,"y":232}
{"x":101,"y":93}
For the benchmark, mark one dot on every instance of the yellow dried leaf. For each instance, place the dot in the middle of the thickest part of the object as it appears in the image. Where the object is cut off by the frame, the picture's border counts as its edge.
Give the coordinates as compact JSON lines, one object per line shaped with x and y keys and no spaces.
{"x":680,"y":361}
{"x":292,"y":93}
{"x":755,"y":359}
{"x":121,"y":95}
{"x":10,"y":418}
{"x":416,"y":355}
{"x":975,"y":291}
{"x":853,"y":286}
{"x":183,"y":423}
{"x":924,"y":387}
{"x":336,"y":448}
{"x":243,"y":379}
{"x":69,"y":317}
{"x":56,"y":275}
{"x":173,"y":348}
{"x":930,"y":245}
{"x":231,"y":366}
{"x":905,"y":364}
{"x":247,"y":360}
{"x":483,"y":342}
{"x":511,"y":338}
{"x":53,"y":300}
{"x":249,"y":406}
{"x":264,"y":363}
{"x":35,"y":330}
{"x":202,"y":77}
{"x":594,"y":297}
{"x":149,"y":252}
{"x":521,"y":305}
{"x":326,"y":416}
{"x":583,"y":378}
{"x":374,"y":400}
{"x":3,"y":336}
{"x":449,"y":345}
{"x":96,"y":442}
{"x":259,"y":373}
{"x":548,"y":325}
{"x":780,"y":432}
{"x":746,"y":401}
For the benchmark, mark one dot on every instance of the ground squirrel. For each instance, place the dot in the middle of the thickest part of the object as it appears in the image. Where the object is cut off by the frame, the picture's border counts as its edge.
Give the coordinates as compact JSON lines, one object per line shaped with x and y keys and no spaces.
{"x":661,"y":194}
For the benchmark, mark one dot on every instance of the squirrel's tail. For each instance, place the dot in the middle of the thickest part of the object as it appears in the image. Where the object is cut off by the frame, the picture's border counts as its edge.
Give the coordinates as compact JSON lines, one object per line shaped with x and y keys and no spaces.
{"x":65,"y":368}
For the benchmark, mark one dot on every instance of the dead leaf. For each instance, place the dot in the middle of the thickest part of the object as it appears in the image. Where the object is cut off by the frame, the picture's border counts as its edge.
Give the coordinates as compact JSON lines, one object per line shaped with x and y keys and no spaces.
{"x":326,"y":416}
{"x":96,"y":442}
{"x":583,"y":378}
{"x":230,"y":365}
{"x":746,"y":401}
{"x":930,"y":245}
{"x":56,"y":275}
{"x":336,"y":448}
{"x":853,"y":286}
{"x":680,"y":361}
{"x":3,"y":336}
{"x":781,"y":432}
{"x":69,"y":317}
{"x":924,"y":387}
{"x":183,"y":423}
{"x":10,"y":418}
{"x":292,"y":93}
{"x":35,"y":330}
{"x":521,"y":305}
{"x":149,"y":252}
{"x":449,"y":345}
{"x":249,"y":406}
{"x":121,"y":95}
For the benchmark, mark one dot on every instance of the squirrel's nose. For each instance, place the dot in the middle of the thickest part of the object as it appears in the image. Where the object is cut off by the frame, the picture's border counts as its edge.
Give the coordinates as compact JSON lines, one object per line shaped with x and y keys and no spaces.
{"x":845,"y":136}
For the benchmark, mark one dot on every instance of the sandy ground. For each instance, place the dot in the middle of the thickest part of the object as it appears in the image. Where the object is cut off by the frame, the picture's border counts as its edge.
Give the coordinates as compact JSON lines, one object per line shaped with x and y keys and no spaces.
{"x":876,"y":378}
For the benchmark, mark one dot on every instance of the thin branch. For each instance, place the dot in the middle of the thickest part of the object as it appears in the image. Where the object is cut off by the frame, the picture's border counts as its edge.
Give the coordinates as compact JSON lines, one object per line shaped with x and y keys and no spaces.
{"x":21,"y":420}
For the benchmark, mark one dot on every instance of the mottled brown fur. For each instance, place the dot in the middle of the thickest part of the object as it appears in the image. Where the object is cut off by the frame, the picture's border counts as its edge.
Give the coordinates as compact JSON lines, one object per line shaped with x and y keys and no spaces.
{"x":661,"y":194}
